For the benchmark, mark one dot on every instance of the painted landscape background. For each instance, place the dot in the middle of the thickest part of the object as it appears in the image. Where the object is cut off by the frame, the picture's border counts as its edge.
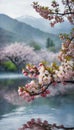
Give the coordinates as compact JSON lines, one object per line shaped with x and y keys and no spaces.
{"x":31,"y":32}
{"x":27,"y":38}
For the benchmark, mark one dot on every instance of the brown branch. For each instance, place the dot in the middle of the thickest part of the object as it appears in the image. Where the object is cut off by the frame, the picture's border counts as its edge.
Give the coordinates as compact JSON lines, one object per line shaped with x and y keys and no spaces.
{"x":10,"y":58}
{"x":61,"y":127}
{"x":71,"y":38}
{"x":35,"y":94}
{"x":47,"y":86}
{"x":52,"y":126}
{"x":68,"y":5}
{"x":62,"y":14}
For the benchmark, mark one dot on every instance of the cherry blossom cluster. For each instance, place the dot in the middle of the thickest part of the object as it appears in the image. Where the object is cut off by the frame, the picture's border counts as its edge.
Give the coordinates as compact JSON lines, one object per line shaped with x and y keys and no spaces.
{"x":65,"y":71}
{"x":24,"y":55}
{"x":44,"y":76}
{"x":40,"y":125}
{"x":38,"y":86}
{"x":67,"y":50}
{"x":54,"y":15}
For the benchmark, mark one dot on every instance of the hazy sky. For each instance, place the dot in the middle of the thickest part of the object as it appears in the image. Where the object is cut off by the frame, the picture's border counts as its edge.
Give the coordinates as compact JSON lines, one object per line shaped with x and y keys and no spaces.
{"x":17,"y":8}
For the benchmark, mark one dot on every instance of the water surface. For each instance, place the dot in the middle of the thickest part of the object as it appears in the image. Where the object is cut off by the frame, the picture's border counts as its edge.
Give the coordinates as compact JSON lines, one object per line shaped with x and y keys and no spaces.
{"x":14,"y":111}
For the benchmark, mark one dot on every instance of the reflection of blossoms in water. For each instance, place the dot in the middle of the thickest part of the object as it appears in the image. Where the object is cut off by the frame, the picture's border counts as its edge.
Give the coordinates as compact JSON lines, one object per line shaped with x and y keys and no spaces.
{"x":12,"y":97}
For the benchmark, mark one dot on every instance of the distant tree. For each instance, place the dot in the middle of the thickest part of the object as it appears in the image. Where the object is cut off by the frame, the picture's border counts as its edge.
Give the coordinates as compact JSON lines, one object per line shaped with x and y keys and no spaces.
{"x":46,"y":54}
{"x":35,"y":45}
{"x":49,"y":43}
{"x":25,"y":55}
{"x":19,"y":54}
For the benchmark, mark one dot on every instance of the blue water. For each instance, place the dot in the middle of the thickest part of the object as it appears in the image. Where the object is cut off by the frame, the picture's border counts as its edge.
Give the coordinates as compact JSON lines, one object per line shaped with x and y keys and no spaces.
{"x":11,"y":76}
{"x":14,"y":111}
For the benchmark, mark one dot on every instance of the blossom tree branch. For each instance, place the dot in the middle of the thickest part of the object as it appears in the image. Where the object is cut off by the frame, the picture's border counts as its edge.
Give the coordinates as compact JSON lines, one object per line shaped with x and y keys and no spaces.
{"x":54,"y":15}
{"x":53,"y":74}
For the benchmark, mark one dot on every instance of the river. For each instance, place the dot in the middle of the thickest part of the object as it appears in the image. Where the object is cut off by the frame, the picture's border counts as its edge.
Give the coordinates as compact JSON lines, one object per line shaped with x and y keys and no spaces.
{"x":14,"y":111}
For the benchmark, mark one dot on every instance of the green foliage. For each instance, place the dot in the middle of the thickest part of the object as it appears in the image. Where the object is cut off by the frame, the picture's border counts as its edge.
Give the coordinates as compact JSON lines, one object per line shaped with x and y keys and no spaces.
{"x":35,"y":45}
{"x":55,"y":66}
{"x":8,"y":65}
{"x":53,"y":49}
{"x":68,"y":58}
{"x":44,"y":62}
{"x":49,"y":43}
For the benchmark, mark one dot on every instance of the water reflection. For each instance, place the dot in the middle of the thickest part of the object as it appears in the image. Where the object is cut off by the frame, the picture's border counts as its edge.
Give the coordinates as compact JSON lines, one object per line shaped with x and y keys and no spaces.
{"x":14,"y":111}
{"x":5,"y":107}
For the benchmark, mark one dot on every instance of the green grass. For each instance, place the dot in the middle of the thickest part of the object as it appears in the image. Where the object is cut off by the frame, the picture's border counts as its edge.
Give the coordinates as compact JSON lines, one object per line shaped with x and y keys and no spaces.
{"x":8,"y":65}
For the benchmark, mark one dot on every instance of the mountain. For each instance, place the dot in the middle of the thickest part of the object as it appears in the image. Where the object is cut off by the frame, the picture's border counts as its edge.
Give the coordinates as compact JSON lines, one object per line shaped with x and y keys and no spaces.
{"x":44,"y":25}
{"x":12,"y":30}
{"x":6,"y":36}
